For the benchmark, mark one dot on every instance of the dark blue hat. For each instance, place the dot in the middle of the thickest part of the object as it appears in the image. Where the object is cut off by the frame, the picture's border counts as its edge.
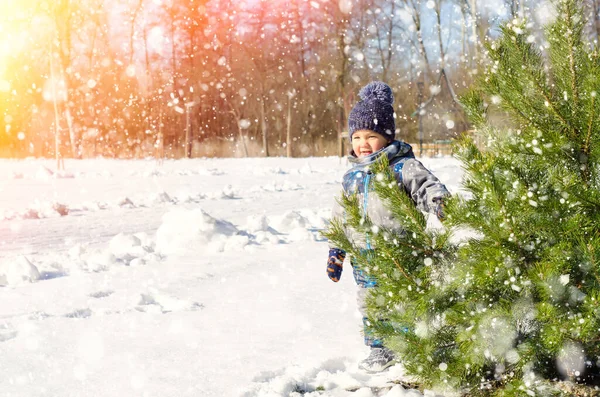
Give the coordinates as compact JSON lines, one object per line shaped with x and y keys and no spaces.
{"x":374,"y":112}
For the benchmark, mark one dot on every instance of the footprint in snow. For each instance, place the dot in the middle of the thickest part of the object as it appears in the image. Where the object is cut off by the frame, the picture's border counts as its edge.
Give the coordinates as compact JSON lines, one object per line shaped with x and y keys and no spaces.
{"x":102,"y":294}
{"x":162,"y":303}
{"x":79,"y":313}
{"x":7,"y":333}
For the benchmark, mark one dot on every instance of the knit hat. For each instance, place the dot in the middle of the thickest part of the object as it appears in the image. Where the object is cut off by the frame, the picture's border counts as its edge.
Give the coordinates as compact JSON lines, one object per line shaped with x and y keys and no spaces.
{"x":375,"y":112}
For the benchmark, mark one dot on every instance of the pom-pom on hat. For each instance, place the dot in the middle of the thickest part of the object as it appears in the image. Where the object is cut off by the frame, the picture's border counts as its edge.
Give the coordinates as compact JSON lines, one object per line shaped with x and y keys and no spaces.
{"x":374,"y":112}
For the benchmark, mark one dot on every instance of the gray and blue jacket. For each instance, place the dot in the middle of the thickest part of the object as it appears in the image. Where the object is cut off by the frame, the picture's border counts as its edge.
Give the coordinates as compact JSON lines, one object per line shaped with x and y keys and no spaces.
{"x":422,"y":186}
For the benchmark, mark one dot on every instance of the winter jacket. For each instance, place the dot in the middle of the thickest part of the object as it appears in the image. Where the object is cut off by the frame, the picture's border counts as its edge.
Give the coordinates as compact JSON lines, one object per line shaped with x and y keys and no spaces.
{"x":423,"y":187}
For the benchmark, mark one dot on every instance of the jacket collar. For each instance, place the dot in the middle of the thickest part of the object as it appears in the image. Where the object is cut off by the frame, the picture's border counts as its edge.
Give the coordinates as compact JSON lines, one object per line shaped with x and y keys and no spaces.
{"x":394,"y":149}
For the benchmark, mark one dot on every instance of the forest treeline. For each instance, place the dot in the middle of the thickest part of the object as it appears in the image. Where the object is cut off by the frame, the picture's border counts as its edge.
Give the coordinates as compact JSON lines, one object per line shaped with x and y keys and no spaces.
{"x":178,"y":78}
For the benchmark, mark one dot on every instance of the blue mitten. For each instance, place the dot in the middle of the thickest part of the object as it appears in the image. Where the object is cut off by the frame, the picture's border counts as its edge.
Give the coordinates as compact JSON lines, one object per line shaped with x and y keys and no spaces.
{"x":439,"y":208}
{"x":334,"y":264}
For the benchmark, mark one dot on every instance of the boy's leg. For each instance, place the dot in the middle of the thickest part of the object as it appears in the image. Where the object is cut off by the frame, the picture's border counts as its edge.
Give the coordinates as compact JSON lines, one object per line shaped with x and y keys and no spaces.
{"x":380,"y":357}
{"x":361,"y":297}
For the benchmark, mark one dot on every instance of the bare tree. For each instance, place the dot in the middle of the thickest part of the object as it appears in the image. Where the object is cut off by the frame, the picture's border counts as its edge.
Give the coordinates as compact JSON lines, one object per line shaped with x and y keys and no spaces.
{"x":415,"y":8}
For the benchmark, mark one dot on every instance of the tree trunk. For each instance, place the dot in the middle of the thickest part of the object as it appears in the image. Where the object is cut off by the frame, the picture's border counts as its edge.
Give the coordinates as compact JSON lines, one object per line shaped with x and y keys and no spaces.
{"x":188,"y":139}
{"x":263,"y":126}
{"x":242,"y":140}
{"x":134,"y":15}
{"x":422,"y":50}
{"x":288,"y":140}
{"x":72,"y":139}
{"x":596,"y":5}
{"x":341,"y":26}
{"x":59,"y":163}
{"x":438,"y":15}
{"x":474,"y":30}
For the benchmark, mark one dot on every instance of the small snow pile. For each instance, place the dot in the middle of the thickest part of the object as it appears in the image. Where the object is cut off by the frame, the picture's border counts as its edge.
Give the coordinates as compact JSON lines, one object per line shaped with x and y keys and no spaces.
{"x":227,"y":193}
{"x":18,"y":271}
{"x":289,"y":221}
{"x":184,"y":230}
{"x":123,"y":249}
{"x":62,"y":174}
{"x":160,"y":198}
{"x":319,"y":219}
{"x":263,"y":233}
{"x":295,"y":225}
{"x":301,"y":234}
{"x":281,"y":187}
{"x":129,"y":249}
{"x":93,"y":206}
{"x":95,"y":260}
{"x":185,"y":196}
{"x":333,"y":378}
{"x":43,"y":209}
{"x":268,"y":171}
{"x":45,"y":173}
{"x":306,"y":169}
{"x":157,"y":302}
{"x":125,"y":202}
{"x":154,"y":172}
{"x":257,"y":223}
{"x":210,"y":171}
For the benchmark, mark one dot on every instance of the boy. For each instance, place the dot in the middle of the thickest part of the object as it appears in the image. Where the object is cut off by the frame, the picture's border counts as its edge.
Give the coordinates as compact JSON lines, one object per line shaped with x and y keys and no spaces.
{"x":372,"y":131}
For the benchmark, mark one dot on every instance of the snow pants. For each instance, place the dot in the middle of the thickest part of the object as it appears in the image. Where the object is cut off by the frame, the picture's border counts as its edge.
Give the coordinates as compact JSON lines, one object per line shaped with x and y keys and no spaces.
{"x":365,"y":282}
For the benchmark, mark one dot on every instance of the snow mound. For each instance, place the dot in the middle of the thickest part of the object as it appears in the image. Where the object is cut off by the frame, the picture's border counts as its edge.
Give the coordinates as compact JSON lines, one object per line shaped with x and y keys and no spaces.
{"x":332,"y":378}
{"x":123,"y":249}
{"x":153,"y":172}
{"x":45,"y":173}
{"x":127,"y":247}
{"x":182,"y":230}
{"x":257,"y":223}
{"x":318,"y":219}
{"x":289,"y":221}
{"x":38,"y":210}
{"x":17,"y":271}
{"x":227,"y":193}
{"x":96,"y":260}
{"x":210,"y":171}
{"x":266,"y":237}
{"x":162,"y":197}
{"x":158,"y":302}
{"x":44,"y":209}
{"x":306,"y":169}
{"x":125,"y":202}
{"x":93,"y":206}
{"x":292,"y":226}
{"x":281,"y":187}
{"x":268,"y":171}
{"x":62,"y":174}
{"x":184,"y":196}
{"x":300,"y":234}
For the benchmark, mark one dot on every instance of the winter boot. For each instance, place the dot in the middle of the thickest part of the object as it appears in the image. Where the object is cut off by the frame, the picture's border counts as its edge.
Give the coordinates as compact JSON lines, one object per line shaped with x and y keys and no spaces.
{"x":380,"y":359}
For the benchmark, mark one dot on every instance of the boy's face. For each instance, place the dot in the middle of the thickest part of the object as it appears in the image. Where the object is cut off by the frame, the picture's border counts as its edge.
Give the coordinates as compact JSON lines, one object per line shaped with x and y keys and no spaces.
{"x":365,"y":142}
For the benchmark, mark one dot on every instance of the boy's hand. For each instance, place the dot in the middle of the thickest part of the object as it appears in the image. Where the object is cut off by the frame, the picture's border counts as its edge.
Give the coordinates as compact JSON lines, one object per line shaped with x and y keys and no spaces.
{"x":439,"y":208}
{"x":335,"y":263}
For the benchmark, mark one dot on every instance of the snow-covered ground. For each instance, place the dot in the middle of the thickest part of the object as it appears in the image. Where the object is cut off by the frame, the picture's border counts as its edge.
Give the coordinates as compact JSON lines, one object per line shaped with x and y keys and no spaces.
{"x":201,"y":277}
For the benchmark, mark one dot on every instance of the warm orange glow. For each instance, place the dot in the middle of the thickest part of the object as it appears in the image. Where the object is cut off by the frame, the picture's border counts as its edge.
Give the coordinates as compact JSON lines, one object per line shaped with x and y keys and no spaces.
{"x":13,"y":31}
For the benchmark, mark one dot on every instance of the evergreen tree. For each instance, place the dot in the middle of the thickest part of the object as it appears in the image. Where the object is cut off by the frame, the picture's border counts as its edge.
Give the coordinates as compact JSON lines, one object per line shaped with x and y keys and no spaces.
{"x":513,"y":305}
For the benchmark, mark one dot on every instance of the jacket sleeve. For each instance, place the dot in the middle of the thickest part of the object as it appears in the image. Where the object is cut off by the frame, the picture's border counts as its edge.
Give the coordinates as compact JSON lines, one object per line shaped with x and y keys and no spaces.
{"x":425,"y":189}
